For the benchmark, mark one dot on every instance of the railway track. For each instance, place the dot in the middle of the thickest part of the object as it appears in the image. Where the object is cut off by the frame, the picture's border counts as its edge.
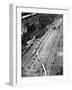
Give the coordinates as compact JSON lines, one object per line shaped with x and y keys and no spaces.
{"x":40,"y":47}
{"x":36,"y":50}
{"x":50,"y":58}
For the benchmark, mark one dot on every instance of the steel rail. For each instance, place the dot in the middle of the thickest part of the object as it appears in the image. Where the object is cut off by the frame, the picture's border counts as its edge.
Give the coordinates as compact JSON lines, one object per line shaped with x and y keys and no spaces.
{"x":52,"y":47}
{"x":37,"y":49}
